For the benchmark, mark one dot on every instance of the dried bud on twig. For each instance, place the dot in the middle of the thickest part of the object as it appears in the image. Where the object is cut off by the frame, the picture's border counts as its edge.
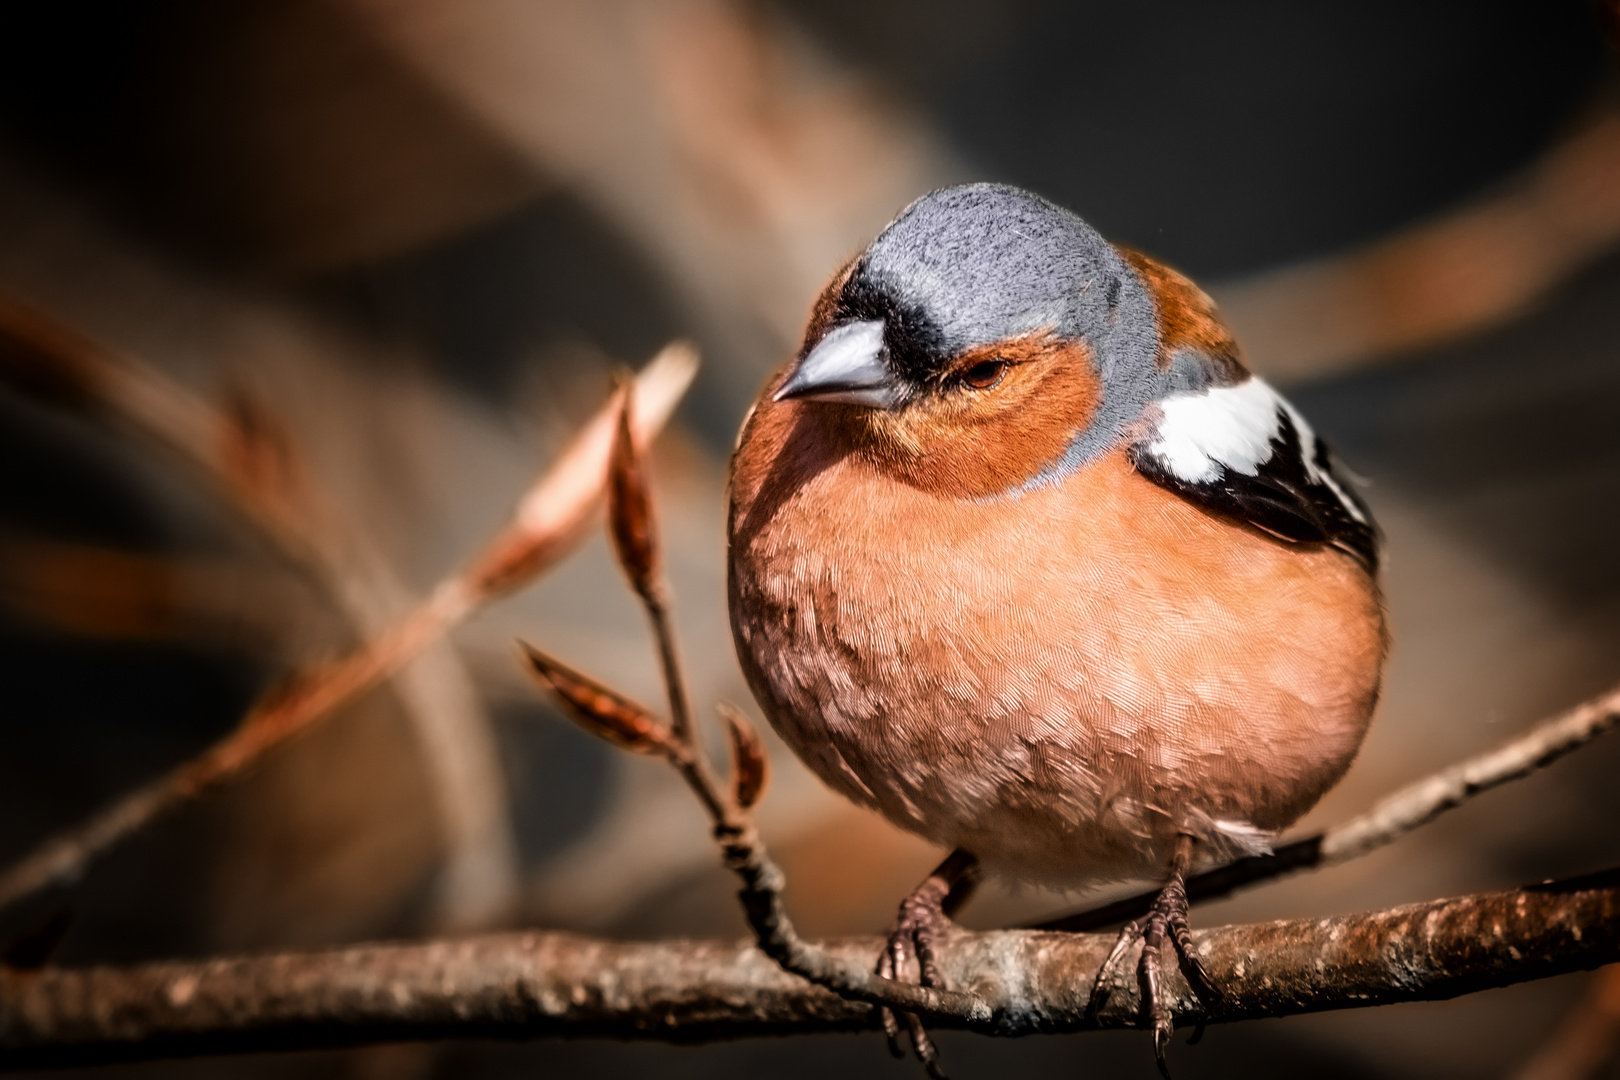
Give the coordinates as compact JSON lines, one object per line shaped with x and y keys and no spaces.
{"x":751,"y":769}
{"x":554,"y":513}
{"x":630,"y":515}
{"x":601,"y":711}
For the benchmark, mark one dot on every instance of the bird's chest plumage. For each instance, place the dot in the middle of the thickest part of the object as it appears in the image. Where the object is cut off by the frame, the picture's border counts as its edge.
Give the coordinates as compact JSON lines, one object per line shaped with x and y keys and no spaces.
{"x":1057,"y":680}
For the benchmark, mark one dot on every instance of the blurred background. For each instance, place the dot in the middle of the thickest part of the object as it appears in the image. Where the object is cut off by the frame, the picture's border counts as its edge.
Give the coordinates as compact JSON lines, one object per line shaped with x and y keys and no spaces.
{"x":415,"y":238}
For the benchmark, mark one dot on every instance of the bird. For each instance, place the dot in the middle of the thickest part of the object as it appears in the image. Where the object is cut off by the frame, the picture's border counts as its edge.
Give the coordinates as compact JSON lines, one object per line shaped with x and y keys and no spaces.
{"x":1022,"y":556}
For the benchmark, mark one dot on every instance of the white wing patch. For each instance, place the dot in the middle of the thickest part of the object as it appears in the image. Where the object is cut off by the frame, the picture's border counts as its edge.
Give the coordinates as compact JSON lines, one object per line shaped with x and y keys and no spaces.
{"x":1204,"y":432}
{"x":1203,"y":435}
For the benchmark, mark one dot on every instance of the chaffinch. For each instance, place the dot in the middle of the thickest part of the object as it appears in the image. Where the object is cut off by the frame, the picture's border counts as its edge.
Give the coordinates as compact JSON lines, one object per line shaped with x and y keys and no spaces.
{"x":1025,"y":559}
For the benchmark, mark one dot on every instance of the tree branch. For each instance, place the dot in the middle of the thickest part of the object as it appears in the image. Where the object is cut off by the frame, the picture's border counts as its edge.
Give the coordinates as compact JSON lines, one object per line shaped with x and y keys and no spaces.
{"x":536,"y":984}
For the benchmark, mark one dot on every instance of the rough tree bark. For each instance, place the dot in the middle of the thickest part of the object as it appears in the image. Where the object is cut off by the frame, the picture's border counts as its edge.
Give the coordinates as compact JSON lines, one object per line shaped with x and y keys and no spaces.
{"x":539,"y":984}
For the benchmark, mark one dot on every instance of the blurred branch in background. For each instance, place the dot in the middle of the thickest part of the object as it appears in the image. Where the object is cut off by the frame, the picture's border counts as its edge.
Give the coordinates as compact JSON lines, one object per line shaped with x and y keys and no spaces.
{"x":744,"y":165}
{"x":247,"y":458}
{"x":101,"y":592}
{"x":1470,"y":268}
{"x":41,"y":358}
{"x":703,"y":129}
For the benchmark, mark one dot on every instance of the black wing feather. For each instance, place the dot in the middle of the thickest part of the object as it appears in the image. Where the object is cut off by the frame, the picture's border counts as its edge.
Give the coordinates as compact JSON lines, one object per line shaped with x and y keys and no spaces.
{"x":1282,"y":497}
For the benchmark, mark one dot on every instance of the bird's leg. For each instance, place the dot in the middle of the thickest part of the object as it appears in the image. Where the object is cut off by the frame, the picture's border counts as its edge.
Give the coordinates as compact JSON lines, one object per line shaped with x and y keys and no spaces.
{"x":923,"y":914}
{"x":1165,"y":924}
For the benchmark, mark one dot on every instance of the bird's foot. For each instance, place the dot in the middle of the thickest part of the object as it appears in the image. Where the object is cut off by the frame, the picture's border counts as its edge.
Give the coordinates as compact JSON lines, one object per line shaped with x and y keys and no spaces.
{"x":924,"y":915}
{"x":1164,"y":925}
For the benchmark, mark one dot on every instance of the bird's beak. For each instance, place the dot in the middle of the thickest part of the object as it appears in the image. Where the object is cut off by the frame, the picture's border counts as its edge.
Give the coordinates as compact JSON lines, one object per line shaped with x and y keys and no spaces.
{"x":846,"y":365}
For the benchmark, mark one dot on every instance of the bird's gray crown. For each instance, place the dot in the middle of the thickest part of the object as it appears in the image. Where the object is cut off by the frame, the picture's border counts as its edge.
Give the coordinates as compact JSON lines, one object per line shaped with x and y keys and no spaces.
{"x":968,"y":266}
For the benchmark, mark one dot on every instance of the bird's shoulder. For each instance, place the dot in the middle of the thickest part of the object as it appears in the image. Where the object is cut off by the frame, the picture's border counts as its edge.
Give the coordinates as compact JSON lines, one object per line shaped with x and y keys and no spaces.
{"x":1226,"y":440}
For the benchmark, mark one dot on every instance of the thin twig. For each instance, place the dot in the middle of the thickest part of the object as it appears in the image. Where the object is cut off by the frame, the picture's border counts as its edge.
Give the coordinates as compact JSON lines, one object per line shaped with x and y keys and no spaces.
{"x":1472,"y":266}
{"x":536,"y":984}
{"x":1392,"y":817}
{"x":680,"y":708}
{"x":1419,"y":803}
{"x":635,"y":538}
{"x":549,"y":522}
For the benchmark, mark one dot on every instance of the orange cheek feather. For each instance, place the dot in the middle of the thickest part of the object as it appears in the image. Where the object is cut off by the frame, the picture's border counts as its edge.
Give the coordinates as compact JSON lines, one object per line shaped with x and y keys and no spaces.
{"x":970,"y":444}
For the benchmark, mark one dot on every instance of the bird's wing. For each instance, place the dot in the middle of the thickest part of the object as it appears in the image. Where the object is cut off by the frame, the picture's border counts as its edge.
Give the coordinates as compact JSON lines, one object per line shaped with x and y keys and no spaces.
{"x":1243,"y":451}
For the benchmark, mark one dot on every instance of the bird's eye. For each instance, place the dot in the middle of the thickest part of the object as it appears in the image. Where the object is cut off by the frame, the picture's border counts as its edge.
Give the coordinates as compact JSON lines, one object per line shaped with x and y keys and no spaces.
{"x":984,"y":374}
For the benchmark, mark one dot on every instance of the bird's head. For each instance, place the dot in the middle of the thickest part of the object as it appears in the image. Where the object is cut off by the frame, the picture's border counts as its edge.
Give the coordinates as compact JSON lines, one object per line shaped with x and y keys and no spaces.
{"x":984,"y":337}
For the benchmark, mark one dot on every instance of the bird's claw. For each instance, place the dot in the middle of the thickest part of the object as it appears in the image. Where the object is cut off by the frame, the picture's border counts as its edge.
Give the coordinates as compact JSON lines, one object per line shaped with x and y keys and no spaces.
{"x":923,"y":917}
{"x":1165,"y":925}
{"x":918,"y":925}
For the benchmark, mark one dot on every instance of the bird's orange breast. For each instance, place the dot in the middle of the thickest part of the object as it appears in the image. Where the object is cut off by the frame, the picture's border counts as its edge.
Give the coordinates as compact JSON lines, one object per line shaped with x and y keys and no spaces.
{"x":1057,"y":680}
